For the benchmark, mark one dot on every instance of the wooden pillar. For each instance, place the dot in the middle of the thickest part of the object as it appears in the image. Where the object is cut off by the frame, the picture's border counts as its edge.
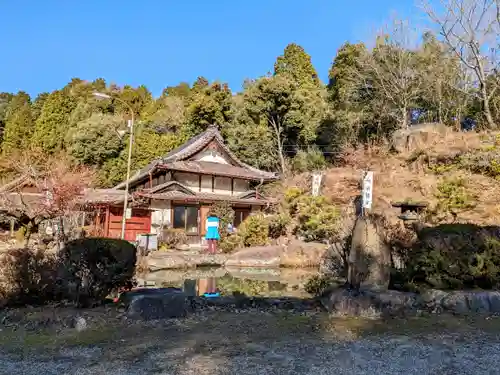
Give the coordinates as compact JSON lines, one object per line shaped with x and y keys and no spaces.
{"x":106,"y":222}
{"x":12,"y":226}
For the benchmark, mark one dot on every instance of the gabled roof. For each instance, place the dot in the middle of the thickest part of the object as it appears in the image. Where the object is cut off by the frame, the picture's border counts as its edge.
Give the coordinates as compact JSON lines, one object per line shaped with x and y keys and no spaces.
{"x":170,"y":186}
{"x":14,"y":184}
{"x":196,"y":144}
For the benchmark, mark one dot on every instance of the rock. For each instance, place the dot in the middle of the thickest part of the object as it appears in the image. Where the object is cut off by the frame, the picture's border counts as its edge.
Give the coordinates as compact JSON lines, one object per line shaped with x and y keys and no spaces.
{"x":370,"y":303}
{"x":80,"y":324}
{"x":479,"y":302}
{"x":349,"y":302}
{"x":165,"y":261}
{"x":394,"y":301}
{"x":300,"y":254}
{"x":433,"y":297}
{"x":456,"y":302}
{"x":494,"y":302}
{"x":204,"y":259}
{"x":416,"y":136}
{"x":152,"y":304}
{"x":170,"y":260}
{"x":261,"y":256}
{"x":370,"y":257}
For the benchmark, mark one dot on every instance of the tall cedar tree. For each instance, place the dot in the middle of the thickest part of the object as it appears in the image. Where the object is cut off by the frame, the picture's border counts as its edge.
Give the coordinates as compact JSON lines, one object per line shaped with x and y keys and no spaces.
{"x":18,"y":124}
{"x":52,"y":125}
{"x":296,"y":65}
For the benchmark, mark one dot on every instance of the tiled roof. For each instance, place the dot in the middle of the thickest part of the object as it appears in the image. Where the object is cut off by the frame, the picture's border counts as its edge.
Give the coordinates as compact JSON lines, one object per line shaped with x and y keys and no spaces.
{"x":218,"y":169}
{"x":90,"y":196}
{"x":204,"y":197}
{"x":195,"y":145}
{"x":102,"y":196}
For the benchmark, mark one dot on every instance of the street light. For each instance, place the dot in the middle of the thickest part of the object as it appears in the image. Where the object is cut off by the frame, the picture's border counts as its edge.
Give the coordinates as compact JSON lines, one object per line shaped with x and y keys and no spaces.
{"x":129,"y":161}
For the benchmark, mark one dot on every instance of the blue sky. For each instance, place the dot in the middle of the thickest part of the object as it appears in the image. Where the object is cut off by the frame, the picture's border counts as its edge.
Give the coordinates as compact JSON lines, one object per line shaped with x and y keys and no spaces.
{"x":163,"y":42}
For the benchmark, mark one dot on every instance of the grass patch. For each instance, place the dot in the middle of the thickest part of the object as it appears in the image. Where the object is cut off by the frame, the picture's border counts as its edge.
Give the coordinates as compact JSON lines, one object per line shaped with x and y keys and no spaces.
{"x":234,"y":332}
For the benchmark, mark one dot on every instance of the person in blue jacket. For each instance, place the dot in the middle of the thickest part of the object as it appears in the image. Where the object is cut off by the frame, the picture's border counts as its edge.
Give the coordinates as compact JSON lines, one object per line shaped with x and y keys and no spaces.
{"x":212,"y":236}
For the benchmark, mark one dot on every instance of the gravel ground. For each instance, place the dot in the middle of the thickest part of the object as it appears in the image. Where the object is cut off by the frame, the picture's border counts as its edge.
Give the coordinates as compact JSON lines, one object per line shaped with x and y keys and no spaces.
{"x":256,"y":344}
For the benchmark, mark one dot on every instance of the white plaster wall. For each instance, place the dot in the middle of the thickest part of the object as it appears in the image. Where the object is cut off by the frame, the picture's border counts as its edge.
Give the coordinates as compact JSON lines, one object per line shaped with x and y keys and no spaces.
{"x":211,"y":156}
{"x":222,"y":186}
{"x":241,"y":186}
{"x":160,"y":215}
{"x":206,"y":184}
{"x":190,"y":180}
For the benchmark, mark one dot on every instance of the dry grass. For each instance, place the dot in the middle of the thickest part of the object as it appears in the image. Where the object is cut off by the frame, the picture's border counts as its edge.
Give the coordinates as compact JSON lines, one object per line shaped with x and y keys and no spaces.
{"x":121,"y":339}
{"x":406,"y":176}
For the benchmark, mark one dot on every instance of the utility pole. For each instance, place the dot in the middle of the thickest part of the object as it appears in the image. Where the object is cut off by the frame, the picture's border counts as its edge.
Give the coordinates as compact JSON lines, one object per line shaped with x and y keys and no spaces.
{"x":129,"y":160}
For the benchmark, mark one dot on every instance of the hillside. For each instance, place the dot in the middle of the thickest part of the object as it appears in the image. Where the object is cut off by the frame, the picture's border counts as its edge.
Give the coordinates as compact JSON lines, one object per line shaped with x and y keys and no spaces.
{"x":455,"y":173}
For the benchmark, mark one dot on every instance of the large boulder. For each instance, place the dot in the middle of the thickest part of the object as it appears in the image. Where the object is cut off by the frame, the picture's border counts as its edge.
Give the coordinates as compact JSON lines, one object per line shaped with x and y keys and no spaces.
{"x":259,"y":256}
{"x":416,"y":136}
{"x":166,"y":261}
{"x":302,"y":254}
{"x":369,"y":303}
{"x":153,"y":304}
{"x":369,"y":257}
{"x":175,"y":260}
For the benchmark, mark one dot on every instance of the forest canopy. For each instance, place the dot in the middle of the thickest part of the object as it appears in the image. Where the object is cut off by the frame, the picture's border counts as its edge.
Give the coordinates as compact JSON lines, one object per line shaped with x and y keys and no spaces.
{"x":447,"y":74}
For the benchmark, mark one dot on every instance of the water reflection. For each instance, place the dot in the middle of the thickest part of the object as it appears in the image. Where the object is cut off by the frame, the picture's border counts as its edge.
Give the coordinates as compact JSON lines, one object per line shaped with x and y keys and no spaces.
{"x":221,"y":281}
{"x":200,"y":287}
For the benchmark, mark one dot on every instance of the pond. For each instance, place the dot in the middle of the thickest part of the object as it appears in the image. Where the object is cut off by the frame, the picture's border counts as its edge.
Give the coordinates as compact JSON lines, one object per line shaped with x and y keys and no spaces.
{"x":248,"y":281}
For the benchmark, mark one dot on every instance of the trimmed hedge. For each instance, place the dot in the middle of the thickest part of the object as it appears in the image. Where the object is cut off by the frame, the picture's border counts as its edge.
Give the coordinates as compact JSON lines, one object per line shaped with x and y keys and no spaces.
{"x":456,"y":256}
{"x":94,"y":267}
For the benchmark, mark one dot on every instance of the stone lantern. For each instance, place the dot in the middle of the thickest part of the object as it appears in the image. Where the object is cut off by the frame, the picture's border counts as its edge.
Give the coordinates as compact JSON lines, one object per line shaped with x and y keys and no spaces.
{"x":410,"y":211}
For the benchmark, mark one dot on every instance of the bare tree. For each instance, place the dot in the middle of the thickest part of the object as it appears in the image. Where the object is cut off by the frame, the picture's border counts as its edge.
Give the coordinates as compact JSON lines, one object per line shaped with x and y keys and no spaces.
{"x":391,"y":71}
{"x":471,"y":29}
{"x":47,"y":187}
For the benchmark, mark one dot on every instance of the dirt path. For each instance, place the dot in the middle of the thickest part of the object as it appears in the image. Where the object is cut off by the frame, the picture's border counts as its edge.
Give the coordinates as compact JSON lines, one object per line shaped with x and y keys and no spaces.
{"x":258,"y":343}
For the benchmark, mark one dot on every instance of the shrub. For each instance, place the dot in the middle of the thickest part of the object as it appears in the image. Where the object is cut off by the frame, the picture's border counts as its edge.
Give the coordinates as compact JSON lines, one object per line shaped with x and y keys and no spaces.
{"x":316,"y":216}
{"x":319,"y":284}
{"x":453,"y":196}
{"x":94,"y":267}
{"x":310,"y":160}
{"x":456,"y":256}
{"x":28,"y":276}
{"x":254,"y":230}
{"x":230,"y":243}
{"x":485,"y":161}
{"x":172,"y":238}
{"x":278,"y":224}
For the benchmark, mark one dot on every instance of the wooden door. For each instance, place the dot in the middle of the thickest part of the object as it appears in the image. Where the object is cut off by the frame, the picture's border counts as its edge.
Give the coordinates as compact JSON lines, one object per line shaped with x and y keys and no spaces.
{"x":240,"y":214}
{"x":203,"y":219}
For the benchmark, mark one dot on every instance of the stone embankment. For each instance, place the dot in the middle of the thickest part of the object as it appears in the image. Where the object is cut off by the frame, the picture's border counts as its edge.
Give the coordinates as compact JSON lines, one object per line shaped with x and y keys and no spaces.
{"x":295,"y":254}
{"x":165,"y":303}
{"x":370,"y":303}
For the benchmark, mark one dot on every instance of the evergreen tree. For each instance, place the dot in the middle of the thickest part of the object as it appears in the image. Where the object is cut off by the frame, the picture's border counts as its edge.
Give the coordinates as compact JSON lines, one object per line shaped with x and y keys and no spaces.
{"x":95,"y":140}
{"x":36,"y":107}
{"x":296,"y":65}
{"x":52,"y":125}
{"x":5,"y":99}
{"x":19,"y":123}
{"x":209,"y":105}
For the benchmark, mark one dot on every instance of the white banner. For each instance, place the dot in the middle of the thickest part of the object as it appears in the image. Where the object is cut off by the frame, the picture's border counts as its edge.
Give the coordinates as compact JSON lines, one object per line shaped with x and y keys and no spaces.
{"x":316,"y":183}
{"x":367,"y":193}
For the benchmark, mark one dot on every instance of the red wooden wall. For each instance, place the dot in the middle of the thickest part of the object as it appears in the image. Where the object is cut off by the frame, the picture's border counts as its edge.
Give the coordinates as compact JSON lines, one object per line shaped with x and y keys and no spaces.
{"x":139,"y":223}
